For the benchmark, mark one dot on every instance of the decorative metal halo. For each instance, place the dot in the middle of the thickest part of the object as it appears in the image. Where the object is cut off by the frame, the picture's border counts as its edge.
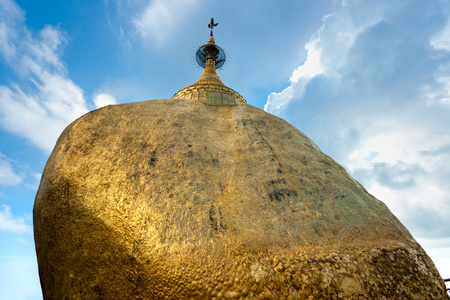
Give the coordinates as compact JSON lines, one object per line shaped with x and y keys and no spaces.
{"x":200,"y":57}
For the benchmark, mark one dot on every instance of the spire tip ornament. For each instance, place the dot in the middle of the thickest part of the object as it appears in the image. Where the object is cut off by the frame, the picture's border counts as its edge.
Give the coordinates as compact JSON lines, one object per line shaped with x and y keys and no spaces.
{"x":212,"y":25}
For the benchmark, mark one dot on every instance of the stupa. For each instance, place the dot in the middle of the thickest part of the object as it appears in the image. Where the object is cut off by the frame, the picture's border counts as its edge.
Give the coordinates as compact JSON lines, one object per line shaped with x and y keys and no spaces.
{"x":203,"y":196}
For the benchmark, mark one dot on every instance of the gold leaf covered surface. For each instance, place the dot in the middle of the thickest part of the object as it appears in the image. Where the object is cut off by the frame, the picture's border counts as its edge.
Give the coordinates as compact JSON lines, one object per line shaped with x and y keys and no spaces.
{"x":175,"y":199}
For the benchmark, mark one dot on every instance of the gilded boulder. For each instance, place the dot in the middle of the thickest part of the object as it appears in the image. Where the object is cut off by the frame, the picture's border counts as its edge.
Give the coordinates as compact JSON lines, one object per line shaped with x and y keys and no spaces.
{"x":176,"y":199}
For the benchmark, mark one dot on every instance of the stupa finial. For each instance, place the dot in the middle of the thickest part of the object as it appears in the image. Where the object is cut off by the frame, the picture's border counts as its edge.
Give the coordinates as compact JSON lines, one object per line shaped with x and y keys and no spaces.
{"x":209,"y":88}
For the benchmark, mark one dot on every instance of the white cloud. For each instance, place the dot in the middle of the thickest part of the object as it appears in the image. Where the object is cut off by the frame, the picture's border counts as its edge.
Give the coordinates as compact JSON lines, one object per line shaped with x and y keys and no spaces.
{"x":405,"y":166}
{"x":277,"y":102}
{"x":394,"y":140}
{"x":42,"y":112}
{"x":103,"y":99}
{"x":327,"y":52}
{"x":441,"y":40}
{"x":7,"y":174}
{"x":312,"y":66}
{"x":37,"y":176}
{"x":159,"y":18}
{"x":10,"y":223}
{"x":439,"y":92}
{"x":11,"y":9}
{"x":10,"y":13}
{"x":7,"y":48}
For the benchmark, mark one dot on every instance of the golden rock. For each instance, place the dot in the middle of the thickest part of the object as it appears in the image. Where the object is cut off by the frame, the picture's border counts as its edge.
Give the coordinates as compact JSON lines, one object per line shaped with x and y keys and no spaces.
{"x":177,"y":199}
{"x":213,"y":199}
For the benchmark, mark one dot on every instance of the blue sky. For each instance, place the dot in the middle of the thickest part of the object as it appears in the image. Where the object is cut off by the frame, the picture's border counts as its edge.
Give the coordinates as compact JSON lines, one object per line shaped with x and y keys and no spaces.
{"x":367,"y":81}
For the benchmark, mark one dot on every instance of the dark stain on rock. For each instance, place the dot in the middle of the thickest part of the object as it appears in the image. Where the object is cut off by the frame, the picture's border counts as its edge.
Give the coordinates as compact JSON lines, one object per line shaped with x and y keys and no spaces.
{"x":280,"y":189}
{"x":213,"y":218}
{"x":153,"y":158}
{"x":216,"y":218}
{"x":278,"y":181}
{"x":279,"y":194}
{"x":215,"y":161}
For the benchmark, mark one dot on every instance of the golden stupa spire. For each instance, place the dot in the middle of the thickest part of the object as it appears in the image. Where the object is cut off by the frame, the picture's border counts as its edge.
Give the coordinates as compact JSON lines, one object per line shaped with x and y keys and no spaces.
{"x":209,"y":88}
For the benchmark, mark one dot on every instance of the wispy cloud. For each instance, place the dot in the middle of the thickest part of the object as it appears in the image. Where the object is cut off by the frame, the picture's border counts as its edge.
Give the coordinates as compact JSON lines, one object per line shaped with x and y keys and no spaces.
{"x":159,"y":18}
{"x":12,"y":224}
{"x":41,"y":109}
{"x":277,"y":102}
{"x":441,"y":40}
{"x":7,"y":174}
{"x":103,"y":99}
{"x":10,"y":15}
{"x":327,"y":53}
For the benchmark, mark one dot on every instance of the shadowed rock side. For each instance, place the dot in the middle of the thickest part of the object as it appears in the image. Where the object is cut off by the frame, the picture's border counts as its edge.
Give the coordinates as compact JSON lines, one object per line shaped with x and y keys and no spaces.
{"x":175,"y":199}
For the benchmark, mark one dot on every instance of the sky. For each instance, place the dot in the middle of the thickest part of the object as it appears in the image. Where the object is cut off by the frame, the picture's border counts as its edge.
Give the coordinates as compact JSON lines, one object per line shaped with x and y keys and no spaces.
{"x":367,"y":81}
